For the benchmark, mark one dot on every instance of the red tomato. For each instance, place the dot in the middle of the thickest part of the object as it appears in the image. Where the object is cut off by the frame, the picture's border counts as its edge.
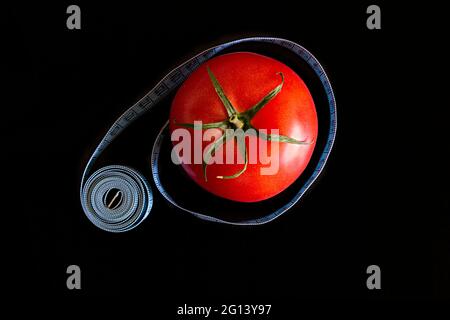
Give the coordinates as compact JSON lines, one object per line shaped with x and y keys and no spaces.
{"x":246,"y":78}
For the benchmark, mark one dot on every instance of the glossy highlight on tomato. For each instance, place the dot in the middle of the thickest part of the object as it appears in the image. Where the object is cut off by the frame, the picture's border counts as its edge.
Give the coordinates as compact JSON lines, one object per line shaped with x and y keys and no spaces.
{"x":248,"y":90}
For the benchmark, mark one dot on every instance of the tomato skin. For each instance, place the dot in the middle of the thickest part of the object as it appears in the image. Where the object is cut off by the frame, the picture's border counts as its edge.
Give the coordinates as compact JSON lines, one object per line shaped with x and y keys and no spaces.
{"x":246,"y":78}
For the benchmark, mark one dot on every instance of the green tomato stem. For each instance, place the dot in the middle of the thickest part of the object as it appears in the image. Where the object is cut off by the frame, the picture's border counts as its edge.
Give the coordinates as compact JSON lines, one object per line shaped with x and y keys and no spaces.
{"x":239,"y":121}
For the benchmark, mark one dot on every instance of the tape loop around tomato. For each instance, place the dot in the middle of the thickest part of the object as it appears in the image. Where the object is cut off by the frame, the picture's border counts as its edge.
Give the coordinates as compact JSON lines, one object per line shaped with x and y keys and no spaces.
{"x":169,"y":83}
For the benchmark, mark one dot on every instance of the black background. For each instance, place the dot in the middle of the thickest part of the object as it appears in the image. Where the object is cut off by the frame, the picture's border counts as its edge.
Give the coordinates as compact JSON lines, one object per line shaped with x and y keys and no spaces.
{"x":376,"y":203}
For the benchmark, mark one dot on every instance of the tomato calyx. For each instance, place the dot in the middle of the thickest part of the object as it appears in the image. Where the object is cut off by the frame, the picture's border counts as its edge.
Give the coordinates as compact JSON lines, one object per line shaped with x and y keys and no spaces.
{"x":239,"y":121}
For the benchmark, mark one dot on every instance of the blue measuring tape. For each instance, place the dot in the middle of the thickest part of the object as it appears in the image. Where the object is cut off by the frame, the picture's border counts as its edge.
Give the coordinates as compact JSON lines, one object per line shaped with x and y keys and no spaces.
{"x":99,"y":189}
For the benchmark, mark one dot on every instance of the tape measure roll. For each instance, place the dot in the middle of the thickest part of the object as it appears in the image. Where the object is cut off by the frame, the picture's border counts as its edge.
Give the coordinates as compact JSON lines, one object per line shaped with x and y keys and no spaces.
{"x":116,"y":198}
{"x":96,"y":187}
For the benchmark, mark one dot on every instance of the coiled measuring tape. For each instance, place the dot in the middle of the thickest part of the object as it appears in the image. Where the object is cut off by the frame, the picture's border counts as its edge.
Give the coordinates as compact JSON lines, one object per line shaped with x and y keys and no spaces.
{"x":135,"y":194}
